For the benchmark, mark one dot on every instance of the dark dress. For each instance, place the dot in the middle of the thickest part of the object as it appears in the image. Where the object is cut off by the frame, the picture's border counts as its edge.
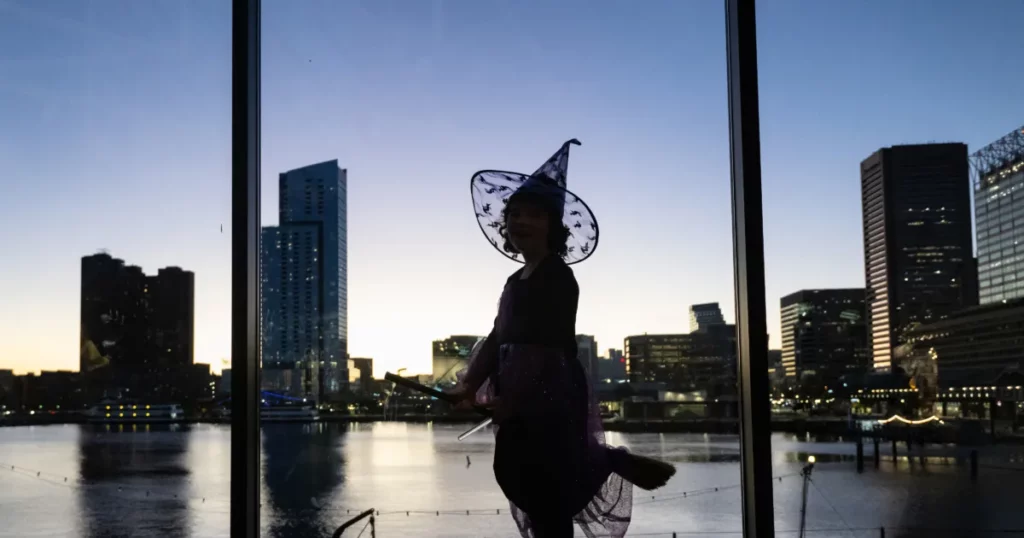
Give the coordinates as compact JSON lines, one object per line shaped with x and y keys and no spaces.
{"x":550,"y":459}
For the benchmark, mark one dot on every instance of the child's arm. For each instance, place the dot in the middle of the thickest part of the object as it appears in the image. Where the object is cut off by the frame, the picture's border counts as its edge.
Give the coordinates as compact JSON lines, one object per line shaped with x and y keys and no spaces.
{"x":482,"y":363}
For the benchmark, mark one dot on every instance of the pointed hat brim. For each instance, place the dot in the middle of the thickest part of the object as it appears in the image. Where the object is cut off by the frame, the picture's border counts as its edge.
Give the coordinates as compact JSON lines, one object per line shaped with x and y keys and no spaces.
{"x":491,"y":191}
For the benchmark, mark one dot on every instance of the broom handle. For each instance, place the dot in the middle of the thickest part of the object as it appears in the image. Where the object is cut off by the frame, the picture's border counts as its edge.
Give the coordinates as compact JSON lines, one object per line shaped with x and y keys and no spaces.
{"x":440,"y":395}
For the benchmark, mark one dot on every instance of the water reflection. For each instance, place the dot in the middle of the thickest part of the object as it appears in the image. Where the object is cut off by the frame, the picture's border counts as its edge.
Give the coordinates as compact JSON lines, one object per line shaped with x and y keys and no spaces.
{"x":303,"y":472}
{"x":133,"y":480}
{"x":160,"y":482}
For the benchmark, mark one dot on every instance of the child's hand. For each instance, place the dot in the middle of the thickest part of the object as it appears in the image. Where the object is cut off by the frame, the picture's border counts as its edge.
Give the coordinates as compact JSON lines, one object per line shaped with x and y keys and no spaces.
{"x":496,"y":410}
{"x":464,"y":399}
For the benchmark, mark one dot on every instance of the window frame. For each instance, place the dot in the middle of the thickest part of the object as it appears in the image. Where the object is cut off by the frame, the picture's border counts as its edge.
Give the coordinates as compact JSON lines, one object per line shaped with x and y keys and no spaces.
{"x":748,"y":265}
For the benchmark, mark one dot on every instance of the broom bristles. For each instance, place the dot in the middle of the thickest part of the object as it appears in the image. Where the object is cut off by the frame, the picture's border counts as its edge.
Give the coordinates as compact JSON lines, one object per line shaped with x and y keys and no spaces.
{"x":645,"y":473}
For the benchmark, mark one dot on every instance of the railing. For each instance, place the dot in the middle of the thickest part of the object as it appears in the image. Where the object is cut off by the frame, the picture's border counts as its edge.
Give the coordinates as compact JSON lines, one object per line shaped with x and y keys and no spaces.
{"x":357,"y":519}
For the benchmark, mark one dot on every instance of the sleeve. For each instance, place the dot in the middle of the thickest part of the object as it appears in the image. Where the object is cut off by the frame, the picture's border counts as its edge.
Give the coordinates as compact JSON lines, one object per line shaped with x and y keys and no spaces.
{"x":565,"y":297}
{"x":482,"y":362}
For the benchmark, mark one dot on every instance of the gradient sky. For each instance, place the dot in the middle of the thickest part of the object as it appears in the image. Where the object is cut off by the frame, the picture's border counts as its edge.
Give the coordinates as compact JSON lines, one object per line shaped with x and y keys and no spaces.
{"x":115,"y":134}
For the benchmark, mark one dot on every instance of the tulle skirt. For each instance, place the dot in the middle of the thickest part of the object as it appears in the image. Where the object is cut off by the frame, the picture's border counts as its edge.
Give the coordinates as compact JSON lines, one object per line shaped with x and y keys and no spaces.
{"x":550,"y":458}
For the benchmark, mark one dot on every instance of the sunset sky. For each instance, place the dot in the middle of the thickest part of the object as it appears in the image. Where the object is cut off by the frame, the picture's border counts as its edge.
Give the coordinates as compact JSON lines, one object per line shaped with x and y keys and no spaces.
{"x":115,"y":134}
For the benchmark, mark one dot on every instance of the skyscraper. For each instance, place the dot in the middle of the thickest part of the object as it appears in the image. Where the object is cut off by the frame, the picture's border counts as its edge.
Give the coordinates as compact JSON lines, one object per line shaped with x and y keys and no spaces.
{"x":137,"y":331}
{"x":999,"y":210}
{"x":824,"y":332}
{"x":918,"y":260}
{"x":172,"y":321}
{"x":586,"y":352}
{"x":304,"y":307}
{"x":705,"y":315}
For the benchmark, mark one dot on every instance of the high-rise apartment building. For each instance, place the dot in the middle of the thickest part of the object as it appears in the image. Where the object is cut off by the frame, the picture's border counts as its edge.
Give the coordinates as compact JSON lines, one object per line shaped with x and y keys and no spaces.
{"x":137,"y":331}
{"x":999,"y":214}
{"x":918,"y":261}
{"x":172,"y":321}
{"x":705,"y":315}
{"x":304,"y":304}
{"x":824,"y":332}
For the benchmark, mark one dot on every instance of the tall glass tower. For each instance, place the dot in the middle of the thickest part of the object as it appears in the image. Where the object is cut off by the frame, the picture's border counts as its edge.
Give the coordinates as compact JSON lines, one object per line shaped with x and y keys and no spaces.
{"x":304,"y":304}
{"x":999,"y":214}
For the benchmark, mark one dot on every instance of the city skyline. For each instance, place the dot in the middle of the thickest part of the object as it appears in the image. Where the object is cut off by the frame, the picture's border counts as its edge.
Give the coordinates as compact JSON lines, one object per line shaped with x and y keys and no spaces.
{"x":421,"y":111}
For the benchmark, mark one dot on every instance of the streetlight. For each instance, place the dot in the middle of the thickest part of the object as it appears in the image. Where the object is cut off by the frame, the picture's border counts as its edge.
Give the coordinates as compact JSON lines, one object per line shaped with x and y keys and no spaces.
{"x":806,"y":474}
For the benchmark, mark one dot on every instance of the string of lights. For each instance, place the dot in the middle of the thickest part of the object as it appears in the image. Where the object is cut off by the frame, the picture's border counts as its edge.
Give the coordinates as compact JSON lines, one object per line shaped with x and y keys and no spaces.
{"x":215,"y":505}
{"x":697,"y":492}
{"x":828,"y":502}
{"x":932,"y":418}
{"x":125,"y":490}
{"x":140,"y":492}
{"x":922,"y":531}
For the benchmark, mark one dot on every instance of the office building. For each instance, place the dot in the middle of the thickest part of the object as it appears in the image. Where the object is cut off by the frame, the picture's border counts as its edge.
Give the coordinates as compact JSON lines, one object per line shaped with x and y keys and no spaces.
{"x":450,"y":356}
{"x":586,"y":352}
{"x":918,"y":262}
{"x":304,"y":303}
{"x":978,"y":346}
{"x":705,"y":315}
{"x":224,"y":387}
{"x":774,"y":360}
{"x":824,"y":333}
{"x":137,"y":331}
{"x":999,"y":214}
{"x":703,"y":360}
{"x":360,"y":375}
{"x":612,"y":369}
{"x":776,"y":372}
{"x":7,"y":396}
{"x":49,"y":391}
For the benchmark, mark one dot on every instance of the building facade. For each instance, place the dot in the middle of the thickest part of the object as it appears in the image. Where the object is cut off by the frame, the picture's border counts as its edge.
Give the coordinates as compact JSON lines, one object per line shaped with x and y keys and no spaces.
{"x":137,"y":330}
{"x":450,"y":356}
{"x":824,"y":333}
{"x":685,"y":362}
{"x":304,"y":303}
{"x":7,"y":395}
{"x":977,"y":346}
{"x":705,"y":315}
{"x":612,"y":369}
{"x":586,"y":352}
{"x":999,"y":214}
{"x":918,"y":261}
{"x":360,"y":375}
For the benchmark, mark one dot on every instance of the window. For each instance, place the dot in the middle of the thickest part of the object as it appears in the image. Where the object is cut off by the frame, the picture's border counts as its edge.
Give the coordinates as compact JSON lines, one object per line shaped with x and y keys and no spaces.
{"x":919,"y":353}
{"x":396,"y":106}
{"x":116,"y":317}
{"x":412,"y":96}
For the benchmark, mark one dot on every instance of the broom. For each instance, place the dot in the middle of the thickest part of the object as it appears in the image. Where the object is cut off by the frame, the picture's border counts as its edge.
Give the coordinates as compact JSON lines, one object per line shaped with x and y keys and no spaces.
{"x":645,"y":473}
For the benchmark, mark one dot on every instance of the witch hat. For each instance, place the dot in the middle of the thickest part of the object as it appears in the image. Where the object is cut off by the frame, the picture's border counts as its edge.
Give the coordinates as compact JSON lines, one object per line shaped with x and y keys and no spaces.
{"x":492,"y":189}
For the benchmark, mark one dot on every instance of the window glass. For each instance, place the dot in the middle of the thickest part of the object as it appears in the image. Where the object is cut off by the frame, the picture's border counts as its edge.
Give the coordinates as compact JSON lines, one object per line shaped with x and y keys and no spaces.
{"x":392,"y":107}
{"x":115,"y":124}
{"x":884,"y":97}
